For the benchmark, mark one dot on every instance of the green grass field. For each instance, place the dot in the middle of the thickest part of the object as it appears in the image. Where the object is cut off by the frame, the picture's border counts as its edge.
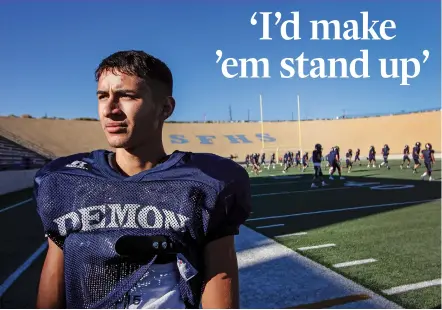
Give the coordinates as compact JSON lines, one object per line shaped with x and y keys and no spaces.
{"x":391,"y":216}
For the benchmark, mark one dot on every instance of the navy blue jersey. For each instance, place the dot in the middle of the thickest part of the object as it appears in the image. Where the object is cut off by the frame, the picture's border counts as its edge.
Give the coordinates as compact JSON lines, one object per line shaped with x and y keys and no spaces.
{"x":332,"y":157}
{"x":386,"y":151}
{"x":406,"y":150}
{"x":416,"y":151}
{"x":316,"y":156}
{"x":87,"y":208}
{"x":427,"y":156}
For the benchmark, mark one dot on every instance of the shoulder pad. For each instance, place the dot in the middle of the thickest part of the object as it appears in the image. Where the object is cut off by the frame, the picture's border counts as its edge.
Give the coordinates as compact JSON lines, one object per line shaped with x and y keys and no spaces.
{"x":58,"y":164}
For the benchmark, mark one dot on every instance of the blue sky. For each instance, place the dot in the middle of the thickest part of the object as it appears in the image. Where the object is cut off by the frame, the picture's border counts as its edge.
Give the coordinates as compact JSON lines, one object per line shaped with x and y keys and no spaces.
{"x":51,"y":49}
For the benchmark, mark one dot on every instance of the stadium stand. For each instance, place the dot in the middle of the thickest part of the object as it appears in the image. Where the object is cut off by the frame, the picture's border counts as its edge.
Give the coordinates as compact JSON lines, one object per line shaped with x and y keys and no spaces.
{"x":54,"y":138}
{"x":16,"y":157}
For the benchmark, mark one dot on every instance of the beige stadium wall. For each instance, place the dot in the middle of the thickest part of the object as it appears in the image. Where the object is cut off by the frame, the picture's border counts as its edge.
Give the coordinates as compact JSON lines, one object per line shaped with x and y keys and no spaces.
{"x":63,"y":137}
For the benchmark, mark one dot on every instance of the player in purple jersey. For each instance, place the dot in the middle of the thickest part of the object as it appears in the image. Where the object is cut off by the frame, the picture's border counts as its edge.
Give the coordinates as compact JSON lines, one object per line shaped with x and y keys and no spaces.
{"x":316,"y":159}
{"x":428,"y":157}
{"x":348,"y":162}
{"x":371,"y":157}
{"x":385,"y":153}
{"x":272,"y":161}
{"x":304,"y":161}
{"x":415,"y":155}
{"x":357,"y":156}
{"x":335,"y":163}
{"x":406,"y":157}
{"x":137,"y":228}
{"x":286,"y":161}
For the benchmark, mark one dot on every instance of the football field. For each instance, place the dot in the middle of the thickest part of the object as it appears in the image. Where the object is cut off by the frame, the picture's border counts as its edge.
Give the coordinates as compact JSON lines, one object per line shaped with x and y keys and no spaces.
{"x":380,"y":228}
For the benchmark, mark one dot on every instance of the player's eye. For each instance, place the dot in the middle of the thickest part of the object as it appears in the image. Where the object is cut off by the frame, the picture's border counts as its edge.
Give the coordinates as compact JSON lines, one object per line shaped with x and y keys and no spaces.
{"x":128,"y":96}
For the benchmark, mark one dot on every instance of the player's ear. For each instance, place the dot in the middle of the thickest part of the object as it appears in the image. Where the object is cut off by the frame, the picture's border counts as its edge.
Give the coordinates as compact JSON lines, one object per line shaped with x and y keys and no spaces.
{"x":168,"y":107}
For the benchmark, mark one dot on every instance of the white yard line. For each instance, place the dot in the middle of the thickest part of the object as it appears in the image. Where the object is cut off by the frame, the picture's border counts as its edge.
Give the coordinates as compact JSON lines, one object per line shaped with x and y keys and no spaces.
{"x":411,"y":287}
{"x":18,"y":272}
{"x":341,"y":210}
{"x":16,"y":205}
{"x":306,"y":248}
{"x":304,"y":191}
{"x":278,"y":183}
{"x":290,"y":235}
{"x":269,"y":226}
{"x":355,"y":262}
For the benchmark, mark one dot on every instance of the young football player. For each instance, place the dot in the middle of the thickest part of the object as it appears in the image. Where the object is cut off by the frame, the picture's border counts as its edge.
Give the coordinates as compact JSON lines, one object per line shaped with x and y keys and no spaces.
{"x":385,"y":153}
{"x":287,"y":161}
{"x":406,"y":157}
{"x":316,"y":159}
{"x":335,"y":163}
{"x":357,"y":157}
{"x":304,"y":161}
{"x":416,"y":153}
{"x":348,"y":162}
{"x":371,"y":157}
{"x":272,"y":161}
{"x":137,"y":228}
{"x":428,"y":157}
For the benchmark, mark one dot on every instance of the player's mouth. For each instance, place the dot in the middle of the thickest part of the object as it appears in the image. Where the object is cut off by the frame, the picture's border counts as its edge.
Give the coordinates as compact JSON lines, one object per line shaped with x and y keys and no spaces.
{"x":116,"y":127}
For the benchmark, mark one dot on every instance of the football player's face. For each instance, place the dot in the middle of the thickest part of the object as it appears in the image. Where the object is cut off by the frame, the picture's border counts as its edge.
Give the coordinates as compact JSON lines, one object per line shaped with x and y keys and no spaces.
{"x":128,"y":114}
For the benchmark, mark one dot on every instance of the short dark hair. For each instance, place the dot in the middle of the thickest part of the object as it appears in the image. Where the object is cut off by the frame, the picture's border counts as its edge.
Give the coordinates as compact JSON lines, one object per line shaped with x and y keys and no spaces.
{"x":137,"y":63}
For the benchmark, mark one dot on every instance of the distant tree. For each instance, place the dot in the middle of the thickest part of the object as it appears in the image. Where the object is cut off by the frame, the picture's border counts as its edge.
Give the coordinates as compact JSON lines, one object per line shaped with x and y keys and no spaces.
{"x":26,"y":116}
{"x":12,"y":115}
{"x":85,"y":119}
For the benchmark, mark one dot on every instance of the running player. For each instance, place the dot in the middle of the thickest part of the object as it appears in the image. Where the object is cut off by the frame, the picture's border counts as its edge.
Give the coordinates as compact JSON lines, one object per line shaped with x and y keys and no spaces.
{"x":272,"y":161}
{"x":428,"y":156}
{"x":304,"y":161}
{"x":348,"y":162}
{"x":317,"y":158}
{"x":335,"y":163}
{"x":416,"y":153}
{"x":385,"y":153}
{"x":406,"y":157}
{"x":357,"y":157}
{"x":371,"y":157}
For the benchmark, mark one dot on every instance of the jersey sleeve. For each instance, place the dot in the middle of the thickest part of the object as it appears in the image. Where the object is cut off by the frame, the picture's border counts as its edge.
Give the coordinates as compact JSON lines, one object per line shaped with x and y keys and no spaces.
{"x":233,"y":207}
{"x":45,"y":214}
{"x":48,"y":205}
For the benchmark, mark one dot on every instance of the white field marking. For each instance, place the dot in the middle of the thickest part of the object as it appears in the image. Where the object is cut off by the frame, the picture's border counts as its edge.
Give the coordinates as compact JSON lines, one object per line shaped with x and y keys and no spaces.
{"x":305,"y":191}
{"x":278,"y":183}
{"x":269,"y":226}
{"x":290,"y":235}
{"x":306,"y":248}
{"x":355,"y":262}
{"x":341,"y":210}
{"x":17,"y":273}
{"x":16,"y":205}
{"x":411,"y":287}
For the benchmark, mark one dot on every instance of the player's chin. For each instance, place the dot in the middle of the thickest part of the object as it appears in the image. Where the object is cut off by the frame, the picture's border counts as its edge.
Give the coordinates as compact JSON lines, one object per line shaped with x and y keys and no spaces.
{"x":118,"y":141}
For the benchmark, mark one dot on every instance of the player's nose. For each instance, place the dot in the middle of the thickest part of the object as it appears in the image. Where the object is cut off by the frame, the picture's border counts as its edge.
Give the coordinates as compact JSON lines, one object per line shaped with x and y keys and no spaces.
{"x":111,"y":107}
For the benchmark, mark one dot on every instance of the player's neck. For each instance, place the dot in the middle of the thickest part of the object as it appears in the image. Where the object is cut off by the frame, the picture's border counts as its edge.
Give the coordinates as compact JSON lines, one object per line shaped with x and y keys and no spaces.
{"x":133,"y":161}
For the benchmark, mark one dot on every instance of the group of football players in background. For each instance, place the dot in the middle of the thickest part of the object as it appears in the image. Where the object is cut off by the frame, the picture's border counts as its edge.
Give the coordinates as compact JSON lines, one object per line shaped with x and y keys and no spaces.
{"x":333,"y":160}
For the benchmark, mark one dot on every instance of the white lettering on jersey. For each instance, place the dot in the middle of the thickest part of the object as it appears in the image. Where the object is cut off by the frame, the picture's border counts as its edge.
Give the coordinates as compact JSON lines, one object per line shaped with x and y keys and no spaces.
{"x":120,"y":216}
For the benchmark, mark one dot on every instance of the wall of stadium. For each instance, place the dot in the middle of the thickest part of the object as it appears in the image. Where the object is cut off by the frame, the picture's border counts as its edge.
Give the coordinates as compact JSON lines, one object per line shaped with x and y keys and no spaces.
{"x":15,"y":180}
{"x":63,"y":137}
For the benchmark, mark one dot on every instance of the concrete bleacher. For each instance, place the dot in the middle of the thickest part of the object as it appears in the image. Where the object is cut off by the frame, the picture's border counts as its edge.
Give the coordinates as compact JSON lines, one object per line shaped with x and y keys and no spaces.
{"x":16,"y":157}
